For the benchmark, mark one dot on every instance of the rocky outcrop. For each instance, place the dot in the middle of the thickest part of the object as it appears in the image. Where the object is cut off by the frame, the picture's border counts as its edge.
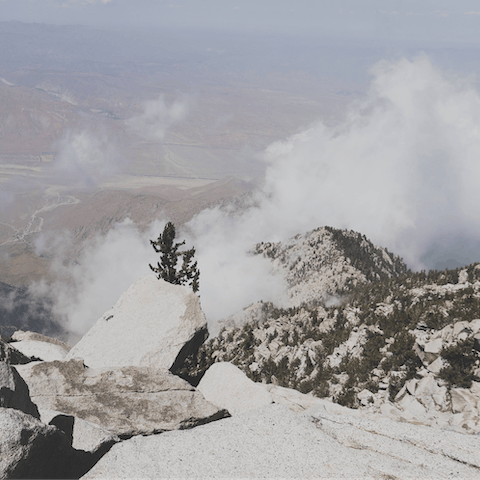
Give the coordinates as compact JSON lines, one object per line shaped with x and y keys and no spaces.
{"x":328,"y":261}
{"x":84,"y":435}
{"x":409,"y":347}
{"x":226,"y":386}
{"x":11,"y":355}
{"x":14,"y":391}
{"x":274,"y":442}
{"x":126,"y":401}
{"x":31,"y":449}
{"x":153,"y":324}
{"x":39,"y":346}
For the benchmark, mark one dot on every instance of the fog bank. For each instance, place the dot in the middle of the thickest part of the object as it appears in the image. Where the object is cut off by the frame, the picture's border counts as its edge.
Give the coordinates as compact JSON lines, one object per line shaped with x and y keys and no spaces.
{"x":402,"y":168}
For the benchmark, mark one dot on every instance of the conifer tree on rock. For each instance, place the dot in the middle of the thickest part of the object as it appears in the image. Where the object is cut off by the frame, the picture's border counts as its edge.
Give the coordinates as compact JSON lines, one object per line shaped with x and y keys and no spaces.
{"x":167,"y":269}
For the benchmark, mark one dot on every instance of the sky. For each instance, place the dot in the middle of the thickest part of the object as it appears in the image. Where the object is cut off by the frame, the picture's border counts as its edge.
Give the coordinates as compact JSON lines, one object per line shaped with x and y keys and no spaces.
{"x":424,"y":20}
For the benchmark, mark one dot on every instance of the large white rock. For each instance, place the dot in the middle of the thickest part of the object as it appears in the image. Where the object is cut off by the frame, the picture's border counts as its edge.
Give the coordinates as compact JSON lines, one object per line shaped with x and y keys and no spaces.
{"x":150,"y":325}
{"x":274,"y":442}
{"x":125,"y":401}
{"x":36,"y":345}
{"x":226,"y":386}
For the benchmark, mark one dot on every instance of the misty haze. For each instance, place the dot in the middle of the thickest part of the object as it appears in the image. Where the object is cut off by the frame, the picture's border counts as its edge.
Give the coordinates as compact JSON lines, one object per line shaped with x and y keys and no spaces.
{"x":303,"y":179}
{"x":107,"y":135}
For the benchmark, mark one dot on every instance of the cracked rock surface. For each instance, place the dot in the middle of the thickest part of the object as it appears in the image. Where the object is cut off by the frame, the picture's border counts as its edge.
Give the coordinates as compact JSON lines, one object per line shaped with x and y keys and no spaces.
{"x":125,"y":401}
{"x":274,"y":442}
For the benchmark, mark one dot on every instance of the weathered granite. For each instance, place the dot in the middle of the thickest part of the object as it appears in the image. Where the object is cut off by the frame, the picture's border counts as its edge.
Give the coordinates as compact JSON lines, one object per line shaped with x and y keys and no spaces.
{"x":153,"y":324}
{"x":274,"y":442}
{"x":31,"y":449}
{"x":126,"y":401}
{"x":226,"y":386}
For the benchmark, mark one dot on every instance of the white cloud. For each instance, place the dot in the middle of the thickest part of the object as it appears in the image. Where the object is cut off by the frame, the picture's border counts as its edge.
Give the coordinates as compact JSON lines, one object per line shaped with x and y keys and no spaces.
{"x":157,"y":118}
{"x":472,"y":13}
{"x":443,"y":13}
{"x":86,"y":158}
{"x":107,"y":266}
{"x":402,"y":169}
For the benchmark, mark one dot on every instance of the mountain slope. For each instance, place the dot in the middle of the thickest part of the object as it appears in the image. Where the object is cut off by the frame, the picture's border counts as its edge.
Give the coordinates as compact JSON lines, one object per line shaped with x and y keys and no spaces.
{"x":387,"y":337}
{"x":321,"y":266}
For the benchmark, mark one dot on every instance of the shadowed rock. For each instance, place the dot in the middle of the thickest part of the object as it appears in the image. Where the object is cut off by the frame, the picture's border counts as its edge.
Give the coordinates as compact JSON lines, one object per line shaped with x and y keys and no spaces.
{"x":11,"y":355}
{"x":31,"y":449}
{"x":14,"y":391}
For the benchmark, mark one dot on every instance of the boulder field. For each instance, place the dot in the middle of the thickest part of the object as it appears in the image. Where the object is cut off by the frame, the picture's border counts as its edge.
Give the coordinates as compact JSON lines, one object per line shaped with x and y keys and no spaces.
{"x":115,"y":410}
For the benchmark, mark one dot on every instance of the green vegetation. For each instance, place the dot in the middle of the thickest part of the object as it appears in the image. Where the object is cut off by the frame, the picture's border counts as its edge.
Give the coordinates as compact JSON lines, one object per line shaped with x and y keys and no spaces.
{"x":461,"y":358}
{"x":167,"y":269}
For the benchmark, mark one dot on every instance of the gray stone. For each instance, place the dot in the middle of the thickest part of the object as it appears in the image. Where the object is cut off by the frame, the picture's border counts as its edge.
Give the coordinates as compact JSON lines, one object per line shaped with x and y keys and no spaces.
{"x":459,"y":327}
{"x":125,"y":401}
{"x":412,"y":409}
{"x":436,"y":365}
{"x":153,"y":324}
{"x":290,"y":398}
{"x":419,"y":351}
{"x":31,"y":449}
{"x":476,"y":342}
{"x":27,"y":445}
{"x":14,"y":391}
{"x":427,"y":386}
{"x":475,"y":325}
{"x":411,"y":385}
{"x":463,"y":400}
{"x":434,"y":346}
{"x":365,"y":397}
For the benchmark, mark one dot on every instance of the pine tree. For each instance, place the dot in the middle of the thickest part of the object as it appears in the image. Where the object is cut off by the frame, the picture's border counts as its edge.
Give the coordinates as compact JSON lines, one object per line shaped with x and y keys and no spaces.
{"x":188,"y":273}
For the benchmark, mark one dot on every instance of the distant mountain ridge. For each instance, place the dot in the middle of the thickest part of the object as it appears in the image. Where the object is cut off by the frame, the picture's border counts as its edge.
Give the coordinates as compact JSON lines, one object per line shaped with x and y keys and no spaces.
{"x":320,"y":266}
{"x":403,"y":343}
{"x":329,"y":261}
